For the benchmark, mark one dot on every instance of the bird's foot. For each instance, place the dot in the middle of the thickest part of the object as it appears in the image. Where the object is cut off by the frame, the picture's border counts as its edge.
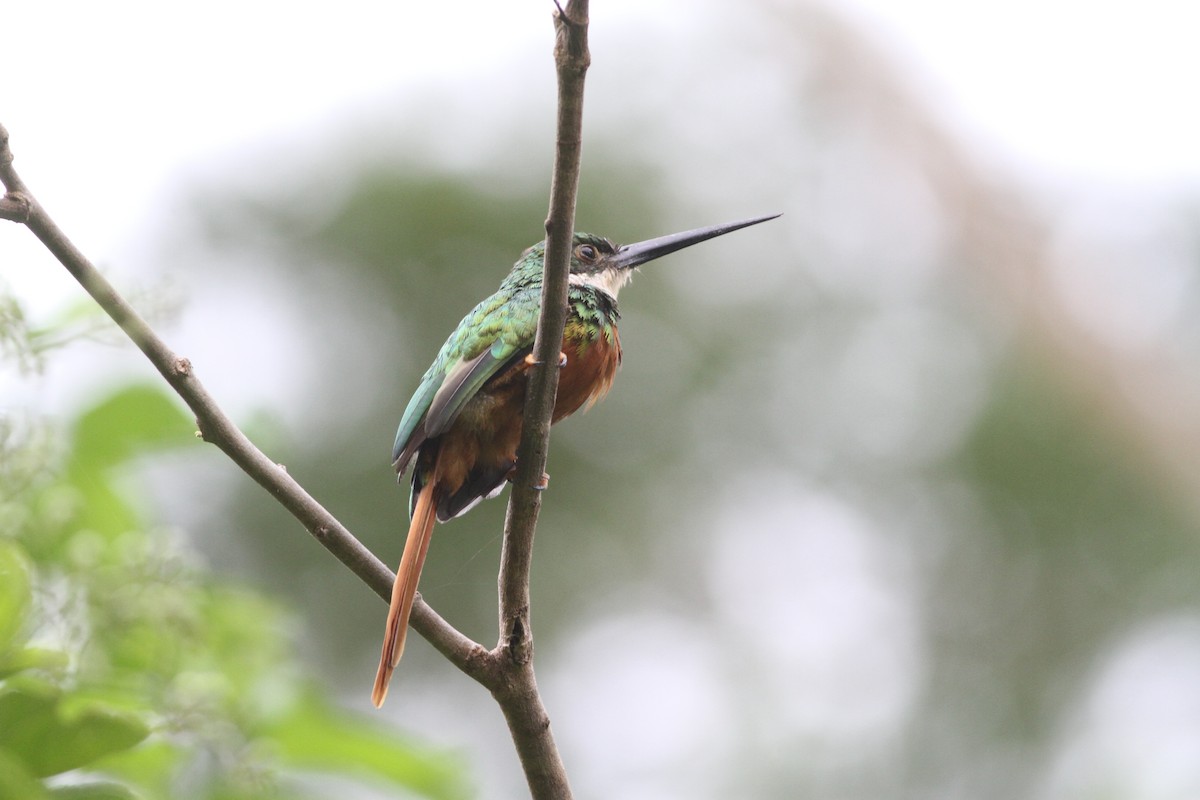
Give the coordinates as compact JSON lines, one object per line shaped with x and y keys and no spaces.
{"x":530,"y":361}
{"x":539,"y":486}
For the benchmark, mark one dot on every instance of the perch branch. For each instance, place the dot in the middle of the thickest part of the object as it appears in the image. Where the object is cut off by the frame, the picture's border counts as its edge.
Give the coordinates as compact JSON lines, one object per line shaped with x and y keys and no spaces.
{"x":516,"y":691}
{"x":19,"y":205}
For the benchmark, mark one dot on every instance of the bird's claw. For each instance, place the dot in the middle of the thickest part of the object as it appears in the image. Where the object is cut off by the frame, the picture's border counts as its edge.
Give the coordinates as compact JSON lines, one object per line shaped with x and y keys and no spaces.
{"x":542,"y":483}
{"x":533,"y":362}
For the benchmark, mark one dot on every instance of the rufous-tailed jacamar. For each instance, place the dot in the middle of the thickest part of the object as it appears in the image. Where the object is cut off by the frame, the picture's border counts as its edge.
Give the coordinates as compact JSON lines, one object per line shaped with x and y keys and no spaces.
{"x":464,"y":423}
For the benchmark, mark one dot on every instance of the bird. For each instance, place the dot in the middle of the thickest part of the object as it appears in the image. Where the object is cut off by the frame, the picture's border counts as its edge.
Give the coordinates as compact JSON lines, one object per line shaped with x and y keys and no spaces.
{"x":461,"y":428}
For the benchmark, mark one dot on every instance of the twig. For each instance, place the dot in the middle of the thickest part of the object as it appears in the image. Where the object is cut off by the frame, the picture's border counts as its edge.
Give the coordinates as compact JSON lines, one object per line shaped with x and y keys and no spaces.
{"x":19,"y":205}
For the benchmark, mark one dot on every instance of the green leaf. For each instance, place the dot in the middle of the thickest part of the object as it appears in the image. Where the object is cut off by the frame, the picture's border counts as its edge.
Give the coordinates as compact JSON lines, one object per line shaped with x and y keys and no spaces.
{"x":130,"y":420}
{"x":108,"y":435}
{"x":315,"y":736}
{"x":15,"y":595}
{"x":51,"y":736}
{"x":31,"y":658}
{"x":15,"y":780}
{"x":151,"y":766}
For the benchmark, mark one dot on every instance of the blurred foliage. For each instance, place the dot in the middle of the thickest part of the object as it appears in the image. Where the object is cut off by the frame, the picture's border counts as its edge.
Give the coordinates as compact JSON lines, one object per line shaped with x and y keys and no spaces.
{"x":1077,"y":541}
{"x":17,"y":347}
{"x":126,"y":669}
{"x":1012,"y":536}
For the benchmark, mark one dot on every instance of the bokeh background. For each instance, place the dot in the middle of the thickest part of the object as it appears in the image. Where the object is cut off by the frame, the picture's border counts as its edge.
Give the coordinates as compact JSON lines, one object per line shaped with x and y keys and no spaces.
{"x":894,"y":497}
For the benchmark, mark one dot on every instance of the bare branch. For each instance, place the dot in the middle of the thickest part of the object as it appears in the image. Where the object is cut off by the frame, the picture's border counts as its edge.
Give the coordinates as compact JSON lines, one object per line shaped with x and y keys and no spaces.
{"x":216,"y":428}
{"x":571,"y":58}
{"x":517,"y":693}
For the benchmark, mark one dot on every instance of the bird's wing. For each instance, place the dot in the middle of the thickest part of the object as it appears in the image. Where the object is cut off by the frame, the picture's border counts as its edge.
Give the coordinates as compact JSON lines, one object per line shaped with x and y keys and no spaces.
{"x":495,"y":335}
{"x":411,"y":433}
{"x":462,"y":382}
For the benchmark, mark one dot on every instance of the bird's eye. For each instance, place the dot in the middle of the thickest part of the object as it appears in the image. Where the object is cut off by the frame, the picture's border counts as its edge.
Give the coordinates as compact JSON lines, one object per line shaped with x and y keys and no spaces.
{"x":586,"y":252}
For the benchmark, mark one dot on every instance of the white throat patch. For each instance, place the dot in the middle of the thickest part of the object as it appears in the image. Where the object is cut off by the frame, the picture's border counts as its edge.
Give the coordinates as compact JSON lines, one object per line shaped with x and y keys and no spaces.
{"x":608,"y":281}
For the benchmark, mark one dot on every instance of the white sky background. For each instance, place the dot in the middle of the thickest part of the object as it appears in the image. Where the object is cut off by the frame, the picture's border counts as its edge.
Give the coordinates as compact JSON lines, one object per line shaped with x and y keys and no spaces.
{"x":1094,"y":101}
{"x":98,"y":132}
{"x":1093,"y":91}
{"x":1098,"y":92}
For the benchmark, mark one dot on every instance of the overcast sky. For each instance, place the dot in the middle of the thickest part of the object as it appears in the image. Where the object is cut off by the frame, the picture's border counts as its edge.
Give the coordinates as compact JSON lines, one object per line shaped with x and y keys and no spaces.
{"x":84,"y":86}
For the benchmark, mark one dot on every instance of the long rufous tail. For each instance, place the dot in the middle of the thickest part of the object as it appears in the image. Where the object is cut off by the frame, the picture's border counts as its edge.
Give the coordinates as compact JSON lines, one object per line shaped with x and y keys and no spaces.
{"x":405,"y":588}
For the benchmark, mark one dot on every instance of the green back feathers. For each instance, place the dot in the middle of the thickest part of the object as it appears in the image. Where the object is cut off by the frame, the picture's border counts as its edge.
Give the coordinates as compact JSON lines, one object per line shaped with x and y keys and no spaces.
{"x":488,"y":337}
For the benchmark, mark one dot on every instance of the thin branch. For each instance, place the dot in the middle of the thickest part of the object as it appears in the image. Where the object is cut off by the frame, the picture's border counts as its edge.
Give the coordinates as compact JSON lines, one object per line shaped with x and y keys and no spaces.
{"x":517,"y":692}
{"x":571,"y":58}
{"x":19,"y":205}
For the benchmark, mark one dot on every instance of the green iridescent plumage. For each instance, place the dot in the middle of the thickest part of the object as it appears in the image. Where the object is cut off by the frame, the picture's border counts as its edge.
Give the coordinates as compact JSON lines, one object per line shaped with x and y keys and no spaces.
{"x":493,"y":334}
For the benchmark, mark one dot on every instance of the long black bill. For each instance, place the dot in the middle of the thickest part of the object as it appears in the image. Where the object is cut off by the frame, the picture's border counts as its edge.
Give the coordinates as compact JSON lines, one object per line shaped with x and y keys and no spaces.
{"x":631,"y":255}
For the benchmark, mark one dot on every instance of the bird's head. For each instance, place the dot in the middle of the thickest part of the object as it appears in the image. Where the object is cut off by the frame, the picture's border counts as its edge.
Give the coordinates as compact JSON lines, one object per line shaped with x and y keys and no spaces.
{"x":598,"y":263}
